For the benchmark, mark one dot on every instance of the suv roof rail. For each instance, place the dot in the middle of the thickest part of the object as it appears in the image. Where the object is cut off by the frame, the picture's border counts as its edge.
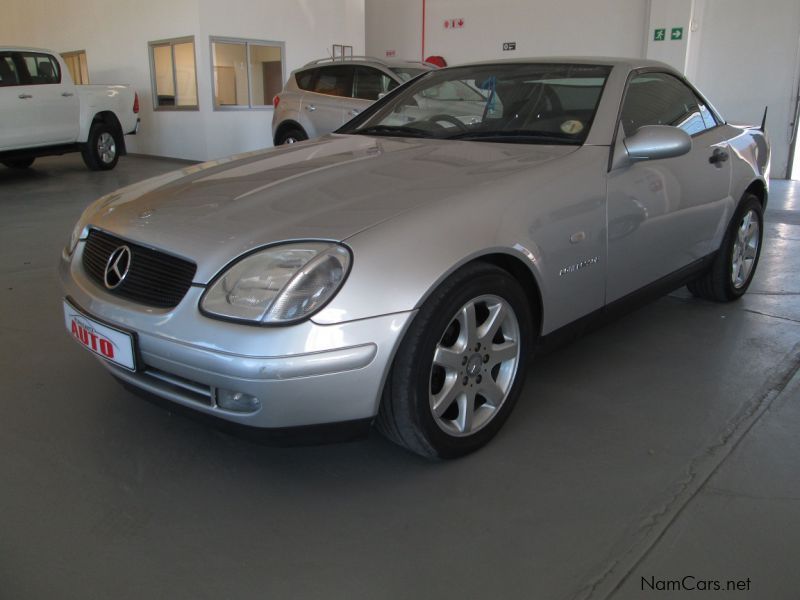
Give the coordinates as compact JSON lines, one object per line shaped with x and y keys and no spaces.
{"x":345,"y":59}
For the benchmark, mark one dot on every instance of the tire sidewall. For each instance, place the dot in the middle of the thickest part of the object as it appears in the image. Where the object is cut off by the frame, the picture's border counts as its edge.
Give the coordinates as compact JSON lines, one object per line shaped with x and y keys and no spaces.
{"x":437,"y":315}
{"x":98,"y":130}
{"x":748,"y":203}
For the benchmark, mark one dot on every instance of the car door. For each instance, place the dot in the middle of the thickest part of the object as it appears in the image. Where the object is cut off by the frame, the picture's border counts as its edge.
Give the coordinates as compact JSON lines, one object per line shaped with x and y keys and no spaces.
{"x":369,"y":84}
{"x":16,"y":113}
{"x":324,"y":107}
{"x":52,"y":95}
{"x":664,"y":214}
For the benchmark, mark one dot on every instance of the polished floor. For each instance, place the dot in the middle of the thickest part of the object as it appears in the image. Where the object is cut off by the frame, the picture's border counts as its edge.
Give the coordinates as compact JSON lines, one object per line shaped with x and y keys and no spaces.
{"x":661,"y":446}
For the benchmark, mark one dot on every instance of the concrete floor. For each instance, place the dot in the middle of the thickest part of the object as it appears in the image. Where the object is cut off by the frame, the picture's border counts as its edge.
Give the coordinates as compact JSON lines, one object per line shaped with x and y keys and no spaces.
{"x":661,"y":446}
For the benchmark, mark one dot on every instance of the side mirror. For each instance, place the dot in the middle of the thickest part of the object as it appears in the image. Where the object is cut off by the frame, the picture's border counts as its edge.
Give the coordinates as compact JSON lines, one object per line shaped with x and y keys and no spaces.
{"x":652,"y":142}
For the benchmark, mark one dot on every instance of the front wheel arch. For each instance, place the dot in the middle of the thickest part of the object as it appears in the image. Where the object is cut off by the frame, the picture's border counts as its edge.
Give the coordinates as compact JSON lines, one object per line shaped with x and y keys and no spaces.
{"x":401,"y":416}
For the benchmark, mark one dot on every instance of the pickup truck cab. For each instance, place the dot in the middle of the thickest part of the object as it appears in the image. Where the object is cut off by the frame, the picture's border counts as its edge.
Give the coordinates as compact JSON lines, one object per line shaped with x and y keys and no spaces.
{"x":42,"y":112}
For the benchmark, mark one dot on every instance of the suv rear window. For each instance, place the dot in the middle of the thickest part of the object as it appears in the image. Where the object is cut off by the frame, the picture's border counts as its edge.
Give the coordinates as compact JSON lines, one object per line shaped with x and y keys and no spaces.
{"x":335,"y":81}
{"x":305,"y":79}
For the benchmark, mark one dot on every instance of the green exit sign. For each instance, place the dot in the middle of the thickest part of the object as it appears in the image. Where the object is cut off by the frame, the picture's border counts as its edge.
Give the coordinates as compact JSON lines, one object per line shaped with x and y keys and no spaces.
{"x":660,"y":35}
{"x":677,"y":33}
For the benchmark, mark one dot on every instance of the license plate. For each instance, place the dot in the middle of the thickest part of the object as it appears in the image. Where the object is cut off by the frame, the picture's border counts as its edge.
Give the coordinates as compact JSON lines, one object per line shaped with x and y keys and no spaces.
{"x":107,"y":342}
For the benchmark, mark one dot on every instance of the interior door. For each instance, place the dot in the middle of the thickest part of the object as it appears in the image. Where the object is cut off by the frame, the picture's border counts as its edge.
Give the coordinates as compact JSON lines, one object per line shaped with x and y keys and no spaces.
{"x":665,"y":214}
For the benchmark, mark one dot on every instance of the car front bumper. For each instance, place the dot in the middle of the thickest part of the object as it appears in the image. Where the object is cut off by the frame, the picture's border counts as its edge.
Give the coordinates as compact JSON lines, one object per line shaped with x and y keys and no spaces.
{"x":304,"y":374}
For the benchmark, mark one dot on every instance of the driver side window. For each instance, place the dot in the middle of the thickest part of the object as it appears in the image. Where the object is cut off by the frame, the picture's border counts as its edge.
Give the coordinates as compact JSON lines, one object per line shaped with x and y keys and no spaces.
{"x":662,"y":99}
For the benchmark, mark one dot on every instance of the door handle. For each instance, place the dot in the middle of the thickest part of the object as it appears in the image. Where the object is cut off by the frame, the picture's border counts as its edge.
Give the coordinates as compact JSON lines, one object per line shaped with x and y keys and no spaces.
{"x":67,"y":94}
{"x":718,"y":157}
{"x":25,"y":96}
{"x":310,"y":107}
{"x":354,"y":112}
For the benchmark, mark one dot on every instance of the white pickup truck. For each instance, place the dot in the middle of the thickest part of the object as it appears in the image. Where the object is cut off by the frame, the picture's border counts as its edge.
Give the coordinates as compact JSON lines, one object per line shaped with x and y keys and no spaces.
{"x":42,"y":112}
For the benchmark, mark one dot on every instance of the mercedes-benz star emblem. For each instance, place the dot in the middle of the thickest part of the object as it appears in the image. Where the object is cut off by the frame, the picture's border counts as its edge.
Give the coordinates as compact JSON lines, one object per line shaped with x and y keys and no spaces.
{"x":117,"y":267}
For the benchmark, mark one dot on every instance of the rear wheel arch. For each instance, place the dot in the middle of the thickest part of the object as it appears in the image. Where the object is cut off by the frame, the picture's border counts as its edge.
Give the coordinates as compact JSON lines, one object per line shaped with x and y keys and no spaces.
{"x":285,"y":126}
{"x":109,"y":118}
{"x":758,"y":189}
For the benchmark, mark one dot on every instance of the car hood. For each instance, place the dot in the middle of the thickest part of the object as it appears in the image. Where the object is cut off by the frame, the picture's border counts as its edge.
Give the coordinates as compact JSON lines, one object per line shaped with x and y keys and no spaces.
{"x":331,"y":188}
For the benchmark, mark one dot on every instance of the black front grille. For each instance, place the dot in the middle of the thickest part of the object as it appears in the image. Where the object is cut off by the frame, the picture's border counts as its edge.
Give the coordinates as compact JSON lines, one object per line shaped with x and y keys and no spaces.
{"x":154,"y":278}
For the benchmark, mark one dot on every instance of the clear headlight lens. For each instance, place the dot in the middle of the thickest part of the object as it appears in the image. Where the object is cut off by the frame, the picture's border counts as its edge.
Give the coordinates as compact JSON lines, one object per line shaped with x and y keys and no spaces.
{"x":282,"y":284}
{"x":75,"y":236}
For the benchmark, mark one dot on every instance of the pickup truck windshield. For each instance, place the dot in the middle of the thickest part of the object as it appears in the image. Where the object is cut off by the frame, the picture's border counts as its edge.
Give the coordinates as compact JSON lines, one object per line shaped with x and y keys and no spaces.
{"x":511,"y":103}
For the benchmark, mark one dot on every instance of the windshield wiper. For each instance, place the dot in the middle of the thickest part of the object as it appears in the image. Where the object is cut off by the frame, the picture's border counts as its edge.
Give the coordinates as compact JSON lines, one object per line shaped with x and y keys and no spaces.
{"x":519,"y":136}
{"x":394,"y":130}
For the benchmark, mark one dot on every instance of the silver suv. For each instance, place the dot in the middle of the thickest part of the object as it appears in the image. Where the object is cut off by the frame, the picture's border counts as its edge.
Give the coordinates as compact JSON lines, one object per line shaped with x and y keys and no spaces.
{"x":325,"y":94}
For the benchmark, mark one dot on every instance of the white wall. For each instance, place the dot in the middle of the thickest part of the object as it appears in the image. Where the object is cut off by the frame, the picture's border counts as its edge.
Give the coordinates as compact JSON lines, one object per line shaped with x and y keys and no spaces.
{"x":669,"y":15}
{"x":115,"y":35}
{"x":745,"y":56}
{"x":394,"y":26}
{"x":558,"y":27}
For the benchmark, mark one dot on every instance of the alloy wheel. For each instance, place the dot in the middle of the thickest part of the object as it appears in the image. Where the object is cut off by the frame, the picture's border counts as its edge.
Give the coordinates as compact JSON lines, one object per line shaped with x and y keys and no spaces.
{"x":474,"y":365}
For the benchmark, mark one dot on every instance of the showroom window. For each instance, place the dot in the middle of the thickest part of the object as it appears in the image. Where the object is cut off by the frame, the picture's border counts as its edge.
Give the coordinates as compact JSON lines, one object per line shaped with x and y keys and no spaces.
{"x":77,"y":66}
{"x":246,"y":73}
{"x":174,"y":74}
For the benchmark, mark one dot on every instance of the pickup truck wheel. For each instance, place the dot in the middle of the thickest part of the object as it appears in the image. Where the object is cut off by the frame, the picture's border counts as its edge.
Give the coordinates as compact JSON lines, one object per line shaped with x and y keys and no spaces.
{"x":19,"y":163}
{"x":101,"y":151}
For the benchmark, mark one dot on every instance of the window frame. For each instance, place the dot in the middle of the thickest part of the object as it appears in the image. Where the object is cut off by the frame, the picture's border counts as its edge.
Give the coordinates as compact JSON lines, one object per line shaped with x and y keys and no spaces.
{"x":247,"y":42}
{"x":643,"y":71}
{"x":649,"y":71}
{"x":172,"y":42}
{"x":24,"y":75}
{"x":14,"y":62}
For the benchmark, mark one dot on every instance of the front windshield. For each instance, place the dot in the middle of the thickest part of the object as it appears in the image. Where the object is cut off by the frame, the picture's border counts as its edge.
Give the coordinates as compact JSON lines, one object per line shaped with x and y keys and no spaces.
{"x":522,"y":103}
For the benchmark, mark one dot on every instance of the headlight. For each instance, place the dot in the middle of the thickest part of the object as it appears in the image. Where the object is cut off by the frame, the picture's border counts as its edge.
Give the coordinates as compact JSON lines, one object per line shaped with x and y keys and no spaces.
{"x":75,"y":236}
{"x":278,"y":285}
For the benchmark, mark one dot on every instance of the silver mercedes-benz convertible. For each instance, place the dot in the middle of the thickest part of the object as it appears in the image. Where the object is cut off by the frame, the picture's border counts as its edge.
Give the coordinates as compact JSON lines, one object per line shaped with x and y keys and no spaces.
{"x":403,"y":269}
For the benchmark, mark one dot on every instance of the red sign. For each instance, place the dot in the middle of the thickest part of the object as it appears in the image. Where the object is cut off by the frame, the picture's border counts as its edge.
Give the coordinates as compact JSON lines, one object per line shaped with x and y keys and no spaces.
{"x":391,"y":52}
{"x":453,"y":23}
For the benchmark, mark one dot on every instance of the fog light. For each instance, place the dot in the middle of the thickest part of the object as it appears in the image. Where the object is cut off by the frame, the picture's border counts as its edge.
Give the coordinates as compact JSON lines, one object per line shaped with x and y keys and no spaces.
{"x":237,"y":401}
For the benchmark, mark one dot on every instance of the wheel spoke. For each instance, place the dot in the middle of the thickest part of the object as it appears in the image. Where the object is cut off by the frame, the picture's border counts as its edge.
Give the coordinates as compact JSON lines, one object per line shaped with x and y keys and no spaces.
{"x":442,"y":401}
{"x":488,"y":329}
{"x":503,"y":352}
{"x":449,"y":359}
{"x":466,"y":318}
{"x":466,"y":412}
{"x":492,"y":392}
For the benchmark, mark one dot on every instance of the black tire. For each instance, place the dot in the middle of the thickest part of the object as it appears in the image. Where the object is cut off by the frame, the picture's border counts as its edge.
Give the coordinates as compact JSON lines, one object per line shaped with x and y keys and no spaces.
{"x":101,"y":150}
{"x":406,"y":415}
{"x":290,"y":135}
{"x":19,"y":163}
{"x":717,"y":283}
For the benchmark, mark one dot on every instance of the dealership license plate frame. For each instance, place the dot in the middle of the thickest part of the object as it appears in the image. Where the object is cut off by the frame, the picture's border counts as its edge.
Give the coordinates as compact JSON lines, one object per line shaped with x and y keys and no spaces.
{"x":71,"y":305}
